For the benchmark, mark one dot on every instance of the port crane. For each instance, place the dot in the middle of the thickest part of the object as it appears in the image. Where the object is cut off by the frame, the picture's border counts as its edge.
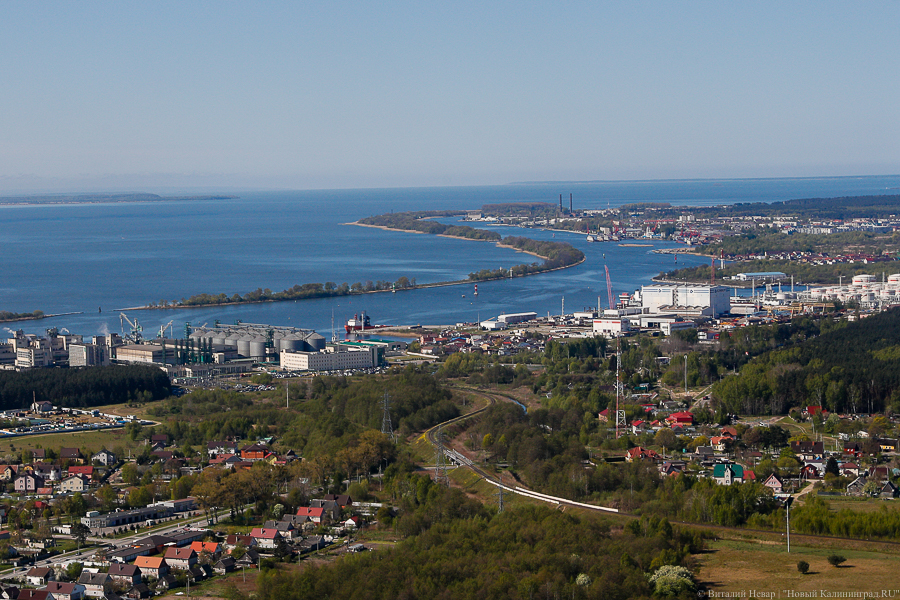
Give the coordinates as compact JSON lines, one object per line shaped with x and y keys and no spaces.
{"x":162,"y":330}
{"x":135,"y":336}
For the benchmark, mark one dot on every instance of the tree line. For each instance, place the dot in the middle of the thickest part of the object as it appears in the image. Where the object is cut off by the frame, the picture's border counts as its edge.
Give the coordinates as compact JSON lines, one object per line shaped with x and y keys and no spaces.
{"x":83,"y":387}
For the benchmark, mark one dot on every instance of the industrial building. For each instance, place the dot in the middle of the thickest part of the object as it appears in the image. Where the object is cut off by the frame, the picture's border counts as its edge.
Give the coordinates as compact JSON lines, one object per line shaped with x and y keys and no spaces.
{"x":263,"y":343}
{"x":865,"y":289}
{"x":517,"y":318}
{"x":684,"y":299}
{"x":612,"y":326}
{"x":335,"y":357}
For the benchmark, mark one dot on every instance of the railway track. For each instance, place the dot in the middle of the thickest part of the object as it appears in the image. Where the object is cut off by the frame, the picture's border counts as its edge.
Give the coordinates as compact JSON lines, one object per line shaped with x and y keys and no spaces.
{"x":492,"y":397}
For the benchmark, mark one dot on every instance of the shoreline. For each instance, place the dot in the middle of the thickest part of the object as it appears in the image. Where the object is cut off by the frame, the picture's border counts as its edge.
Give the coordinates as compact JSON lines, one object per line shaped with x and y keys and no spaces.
{"x":416,"y":287}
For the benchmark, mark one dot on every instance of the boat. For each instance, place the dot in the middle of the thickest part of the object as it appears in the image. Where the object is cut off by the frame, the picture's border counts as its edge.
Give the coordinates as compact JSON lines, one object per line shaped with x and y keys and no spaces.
{"x":358,"y":323}
{"x":591,"y":238}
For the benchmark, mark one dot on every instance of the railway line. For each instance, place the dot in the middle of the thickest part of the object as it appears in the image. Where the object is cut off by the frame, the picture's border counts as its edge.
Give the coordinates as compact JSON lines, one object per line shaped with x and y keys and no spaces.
{"x":461,"y":460}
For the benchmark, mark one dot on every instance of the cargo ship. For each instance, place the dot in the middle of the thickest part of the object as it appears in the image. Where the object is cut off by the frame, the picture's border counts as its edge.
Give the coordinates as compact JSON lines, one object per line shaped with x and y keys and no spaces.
{"x":359,"y":322}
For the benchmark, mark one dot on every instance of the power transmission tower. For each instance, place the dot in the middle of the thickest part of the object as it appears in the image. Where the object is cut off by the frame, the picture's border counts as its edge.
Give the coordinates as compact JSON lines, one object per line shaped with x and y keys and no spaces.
{"x":386,"y":427}
{"x":440,"y":462}
{"x":500,"y":495}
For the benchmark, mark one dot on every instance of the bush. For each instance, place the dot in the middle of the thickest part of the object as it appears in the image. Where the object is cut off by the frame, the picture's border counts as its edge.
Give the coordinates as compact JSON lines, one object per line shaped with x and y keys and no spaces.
{"x":803,"y":566}
{"x":835,"y":560}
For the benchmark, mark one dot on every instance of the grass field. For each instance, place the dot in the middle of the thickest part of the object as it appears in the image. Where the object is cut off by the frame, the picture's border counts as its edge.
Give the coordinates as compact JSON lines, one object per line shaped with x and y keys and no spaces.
{"x":92,"y":440}
{"x":759,"y":569}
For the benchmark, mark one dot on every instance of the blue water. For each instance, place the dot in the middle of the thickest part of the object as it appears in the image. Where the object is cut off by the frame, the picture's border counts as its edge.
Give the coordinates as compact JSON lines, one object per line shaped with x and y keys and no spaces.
{"x":77,"y":258}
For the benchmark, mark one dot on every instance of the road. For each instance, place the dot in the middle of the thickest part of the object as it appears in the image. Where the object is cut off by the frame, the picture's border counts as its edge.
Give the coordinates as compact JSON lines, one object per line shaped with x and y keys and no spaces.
{"x":117,"y":543}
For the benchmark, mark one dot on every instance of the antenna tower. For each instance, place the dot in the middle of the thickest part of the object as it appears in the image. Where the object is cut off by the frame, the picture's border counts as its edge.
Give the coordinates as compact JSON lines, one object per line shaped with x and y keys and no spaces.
{"x":386,"y":427}
{"x":620,"y":414}
{"x":440,"y":462}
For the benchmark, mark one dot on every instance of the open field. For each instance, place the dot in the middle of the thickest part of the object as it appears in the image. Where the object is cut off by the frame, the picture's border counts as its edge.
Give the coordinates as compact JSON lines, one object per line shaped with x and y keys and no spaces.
{"x":758,"y":569}
{"x":92,"y":440}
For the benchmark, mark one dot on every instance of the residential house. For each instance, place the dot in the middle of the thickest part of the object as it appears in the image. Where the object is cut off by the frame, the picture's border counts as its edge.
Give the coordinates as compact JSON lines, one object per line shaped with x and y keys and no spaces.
{"x":39,"y":454}
{"x":332,"y":509}
{"x":152,"y":566}
{"x":224,"y":565}
{"x":684,"y":418}
{"x":166,"y":583}
{"x":159,"y":438}
{"x":286,"y":528}
{"x":879,"y":473}
{"x":353,"y":522}
{"x":126,"y":575}
{"x":728,"y":473}
{"x":808,"y":449}
{"x":211,"y":548}
{"x":74,"y":483}
{"x":181,"y":558}
{"x":86,"y":470}
{"x":604,"y":415}
{"x":162,"y":455}
{"x":249,"y":559}
{"x":28,"y":483}
{"x":8,"y":472}
{"x":672,"y":468}
{"x":810,"y":471}
{"x":73,"y":455}
{"x":214,"y":449}
{"x":65,"y":590}
{"x":855,"y":488}
{"x":39,"y":576}
{"x":96,"y":585}
{"x":315,"y":515}
{"x":265,"y":538}
{"x":254,"y":452}
{"x":774,"y":483}
{"x":104,"y":457}
{"x":640,"y":453}
{"x":814,"y":410}
{"x":28,"y":594}
{"x":234,"y":540}
{"x":139,"y":592}
{"x":888,"y":490}
{"x":850,"y":469}
{"x":720,"y":442}
{"x":887,"y":445}
{"x":9,"y":592}
{"x":48,"y":471}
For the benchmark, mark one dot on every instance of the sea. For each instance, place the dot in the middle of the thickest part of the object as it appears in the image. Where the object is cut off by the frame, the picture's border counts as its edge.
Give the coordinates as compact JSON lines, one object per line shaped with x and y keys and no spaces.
{"x":93,"y":263}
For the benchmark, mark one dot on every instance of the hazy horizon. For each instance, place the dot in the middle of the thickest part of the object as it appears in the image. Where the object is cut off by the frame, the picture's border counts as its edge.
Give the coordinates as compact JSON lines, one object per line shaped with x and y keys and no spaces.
{"x":114,"y":96}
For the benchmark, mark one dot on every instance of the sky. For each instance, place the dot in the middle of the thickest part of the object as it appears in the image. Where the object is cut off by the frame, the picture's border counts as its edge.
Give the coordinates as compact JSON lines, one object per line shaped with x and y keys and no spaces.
{"x":125,"y":95}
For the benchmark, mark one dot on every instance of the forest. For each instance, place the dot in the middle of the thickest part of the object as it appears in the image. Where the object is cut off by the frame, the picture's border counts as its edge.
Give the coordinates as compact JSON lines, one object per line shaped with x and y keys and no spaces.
{"x":455,"y":548}
{"x":83,"y":387}
{"x":821,"y":371}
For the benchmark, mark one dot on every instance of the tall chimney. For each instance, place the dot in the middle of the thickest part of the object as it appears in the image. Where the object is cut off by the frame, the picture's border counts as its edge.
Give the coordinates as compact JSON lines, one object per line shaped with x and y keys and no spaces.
{"x":570,"y":201}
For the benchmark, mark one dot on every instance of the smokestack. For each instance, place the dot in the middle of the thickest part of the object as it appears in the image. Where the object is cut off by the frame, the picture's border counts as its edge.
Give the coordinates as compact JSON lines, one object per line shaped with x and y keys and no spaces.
{"x":560,"y":202}
{"x":570,"y":201}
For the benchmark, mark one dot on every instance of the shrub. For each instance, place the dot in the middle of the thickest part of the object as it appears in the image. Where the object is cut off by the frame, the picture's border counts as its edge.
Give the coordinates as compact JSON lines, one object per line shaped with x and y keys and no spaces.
{"x":803,"y":566}
{"x":835,"y":560}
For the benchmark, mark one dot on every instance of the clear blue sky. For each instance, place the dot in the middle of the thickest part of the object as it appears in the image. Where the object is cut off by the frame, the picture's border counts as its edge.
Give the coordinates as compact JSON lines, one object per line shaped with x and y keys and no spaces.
{"x":141,"y":95}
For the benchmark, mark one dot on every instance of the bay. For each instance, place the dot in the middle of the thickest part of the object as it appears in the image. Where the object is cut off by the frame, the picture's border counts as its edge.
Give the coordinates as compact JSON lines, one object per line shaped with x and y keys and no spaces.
{"x":81,"y":258}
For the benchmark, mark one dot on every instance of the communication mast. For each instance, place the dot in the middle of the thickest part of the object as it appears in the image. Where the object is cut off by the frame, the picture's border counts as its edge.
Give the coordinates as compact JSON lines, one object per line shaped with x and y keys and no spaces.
{"x":620,"y":414}
{"x":386,"y":427}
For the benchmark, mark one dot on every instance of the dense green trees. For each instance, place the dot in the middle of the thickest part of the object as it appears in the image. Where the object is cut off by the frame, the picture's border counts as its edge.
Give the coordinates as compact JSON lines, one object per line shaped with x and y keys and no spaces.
{"x":82,"y":387}
{"x":803,"y":369}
